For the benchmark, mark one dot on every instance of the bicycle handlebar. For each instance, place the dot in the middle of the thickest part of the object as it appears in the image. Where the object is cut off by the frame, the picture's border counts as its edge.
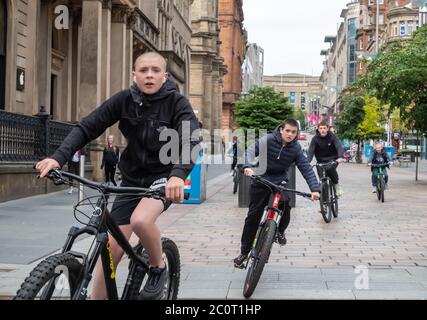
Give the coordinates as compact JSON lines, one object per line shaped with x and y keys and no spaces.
{"x":326,"y":164}
{"x":277,"y":187}
{"x":378,"y":165}
{"x":56,"y":175}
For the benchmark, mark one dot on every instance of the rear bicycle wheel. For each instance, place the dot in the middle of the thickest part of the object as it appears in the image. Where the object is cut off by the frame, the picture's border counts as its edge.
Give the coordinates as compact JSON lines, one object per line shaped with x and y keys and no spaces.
{"x":325,"y":205}
{"x":257,"y":262}
{"x":334,"y":200}
{"x":57,"y":277}
{"x":173,"y":265}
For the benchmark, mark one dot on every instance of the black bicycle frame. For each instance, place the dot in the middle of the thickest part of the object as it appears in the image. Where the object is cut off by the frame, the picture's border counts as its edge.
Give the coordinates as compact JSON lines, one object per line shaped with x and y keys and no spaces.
{"x":99,"y":225}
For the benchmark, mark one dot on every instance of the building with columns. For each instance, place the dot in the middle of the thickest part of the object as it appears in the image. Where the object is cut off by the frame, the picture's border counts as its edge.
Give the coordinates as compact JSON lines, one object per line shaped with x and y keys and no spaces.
{"x":233,"y":44}
{"x":70,"y":56}
{"x":207,"y":65}
{"x":253,"y":67}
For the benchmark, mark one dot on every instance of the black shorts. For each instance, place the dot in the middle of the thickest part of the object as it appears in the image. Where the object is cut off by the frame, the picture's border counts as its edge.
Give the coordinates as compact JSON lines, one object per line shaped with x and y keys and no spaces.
{"x":124,"y":205}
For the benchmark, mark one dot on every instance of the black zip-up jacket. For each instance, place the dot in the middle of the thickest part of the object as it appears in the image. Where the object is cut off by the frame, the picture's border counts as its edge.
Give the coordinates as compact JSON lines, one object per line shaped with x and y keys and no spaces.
{"x":325,"y":149}
{"x":279,"y":158}
{"x":110,"y":156}
{"x":141,"y":120}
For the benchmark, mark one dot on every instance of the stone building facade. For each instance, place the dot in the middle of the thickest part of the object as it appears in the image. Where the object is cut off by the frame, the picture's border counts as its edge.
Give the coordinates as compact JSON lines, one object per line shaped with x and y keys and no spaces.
{"x":70,"y":56}
{"x":253,"y":67}
{"x":233,"y":44}
{"x":207,"y":65}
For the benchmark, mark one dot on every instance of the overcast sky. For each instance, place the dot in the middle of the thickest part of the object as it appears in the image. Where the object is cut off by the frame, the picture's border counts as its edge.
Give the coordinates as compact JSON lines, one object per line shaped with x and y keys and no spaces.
{"x":291,"y":32}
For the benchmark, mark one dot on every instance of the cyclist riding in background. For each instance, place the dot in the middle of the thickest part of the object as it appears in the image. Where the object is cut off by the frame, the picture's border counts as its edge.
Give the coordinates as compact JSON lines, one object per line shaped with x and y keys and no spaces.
{"x":282,"y":151}
{"x":151,"y":105}
{"x":326,"y":147}
{"x":379,"y":156}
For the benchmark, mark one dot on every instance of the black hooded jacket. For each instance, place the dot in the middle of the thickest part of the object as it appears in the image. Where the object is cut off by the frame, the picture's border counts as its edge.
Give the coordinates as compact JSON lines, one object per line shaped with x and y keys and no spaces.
{"x":279,"y":158}
{"x":325,"y":149}
{"x":141,"y":120}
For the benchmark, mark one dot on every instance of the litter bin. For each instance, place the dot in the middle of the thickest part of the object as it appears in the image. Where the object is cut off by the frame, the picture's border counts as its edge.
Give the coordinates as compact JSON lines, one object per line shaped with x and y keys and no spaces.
{"x":195,"y":184}
{"x":368,"y":151}
{"x":245,"y":184}
{"x":390,"y":151}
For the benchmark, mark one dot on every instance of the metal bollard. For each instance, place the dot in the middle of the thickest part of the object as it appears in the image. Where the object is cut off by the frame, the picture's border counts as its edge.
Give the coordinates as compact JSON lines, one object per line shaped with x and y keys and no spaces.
{"x":81,"y":174}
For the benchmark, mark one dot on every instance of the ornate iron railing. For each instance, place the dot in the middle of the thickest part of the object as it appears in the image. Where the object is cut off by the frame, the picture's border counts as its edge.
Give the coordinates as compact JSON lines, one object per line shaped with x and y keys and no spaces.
{"x":29,"y":138}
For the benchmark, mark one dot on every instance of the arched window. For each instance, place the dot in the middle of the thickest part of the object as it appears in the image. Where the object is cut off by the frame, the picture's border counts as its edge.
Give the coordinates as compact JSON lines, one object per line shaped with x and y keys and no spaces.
{"x":3,"y":34}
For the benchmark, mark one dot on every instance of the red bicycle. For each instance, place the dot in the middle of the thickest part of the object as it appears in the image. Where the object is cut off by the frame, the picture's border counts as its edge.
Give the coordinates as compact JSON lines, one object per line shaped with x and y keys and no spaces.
{"x":267,"y":233}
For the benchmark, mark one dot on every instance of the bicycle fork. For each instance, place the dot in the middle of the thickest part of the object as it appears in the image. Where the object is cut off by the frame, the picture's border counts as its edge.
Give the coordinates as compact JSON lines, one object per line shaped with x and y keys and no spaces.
{"x":270,"y":213}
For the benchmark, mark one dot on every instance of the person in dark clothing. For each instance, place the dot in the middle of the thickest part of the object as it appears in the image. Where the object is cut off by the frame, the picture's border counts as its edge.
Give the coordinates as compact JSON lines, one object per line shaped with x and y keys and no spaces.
{"x":73,"y":167}
{"x":150,"y":106}
{"x":282,"y":151}
{"x":326,"y":147}
{"x":379,"y":156}
{"x":233,"y":153}
{"x":110,"y":158}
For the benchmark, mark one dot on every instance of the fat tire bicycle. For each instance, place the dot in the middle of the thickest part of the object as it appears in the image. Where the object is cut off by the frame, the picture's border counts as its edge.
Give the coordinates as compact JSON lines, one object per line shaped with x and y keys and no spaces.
{"x":70,"y":272}
{"x":266,"y":234}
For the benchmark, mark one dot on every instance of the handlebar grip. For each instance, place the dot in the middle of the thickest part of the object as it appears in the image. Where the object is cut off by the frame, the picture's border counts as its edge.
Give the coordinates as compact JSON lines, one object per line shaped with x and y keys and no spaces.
{"x":186,"y":195}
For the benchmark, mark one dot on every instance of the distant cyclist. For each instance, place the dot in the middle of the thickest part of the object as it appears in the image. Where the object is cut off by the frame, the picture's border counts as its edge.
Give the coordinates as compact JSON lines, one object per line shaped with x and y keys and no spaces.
{"x":326,"y":147}
{"x":379,"y":156}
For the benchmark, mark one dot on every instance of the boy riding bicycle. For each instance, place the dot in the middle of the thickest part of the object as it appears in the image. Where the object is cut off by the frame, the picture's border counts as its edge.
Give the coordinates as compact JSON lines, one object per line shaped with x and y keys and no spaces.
{"x":151,"y":105}
{"x":379,"y":156}
{"x":326,"y":147}
{"x":282,"y":151}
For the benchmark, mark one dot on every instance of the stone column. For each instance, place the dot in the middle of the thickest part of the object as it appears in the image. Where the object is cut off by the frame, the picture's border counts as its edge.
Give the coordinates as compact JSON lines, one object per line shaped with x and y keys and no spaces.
{"x":130,"y":23}
{"x":118,"y":48}
{"x":90,"y":75}
{"x":106,"y":49}
{"x":91,"y":57}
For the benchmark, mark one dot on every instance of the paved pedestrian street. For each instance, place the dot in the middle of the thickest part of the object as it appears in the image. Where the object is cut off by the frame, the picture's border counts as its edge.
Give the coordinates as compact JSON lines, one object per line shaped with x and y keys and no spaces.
{"x":373,"y":250}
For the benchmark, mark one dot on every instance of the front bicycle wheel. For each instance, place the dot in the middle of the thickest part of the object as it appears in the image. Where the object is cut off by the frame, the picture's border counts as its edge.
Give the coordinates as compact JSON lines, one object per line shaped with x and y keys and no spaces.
{"x":259,"y":259}
{"x":334,"y":201}
{"x":379,"y":188}
{"x":55,"y":278}
{"x":382,"y":188}
{"x":173,"y":265}
{"x":325,"y":205}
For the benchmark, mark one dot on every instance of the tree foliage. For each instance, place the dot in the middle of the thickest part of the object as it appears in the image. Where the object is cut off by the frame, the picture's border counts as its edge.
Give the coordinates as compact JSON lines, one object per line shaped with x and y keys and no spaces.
{"x":398,"y":76}
{"x":262,"y":108}
{"x":372,"y":125}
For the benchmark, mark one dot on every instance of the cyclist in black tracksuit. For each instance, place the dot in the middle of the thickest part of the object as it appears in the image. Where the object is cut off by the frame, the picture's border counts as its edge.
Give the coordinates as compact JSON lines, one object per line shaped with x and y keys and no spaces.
{"x":326,"y":147}
{"x":282,"y":151}
{"x":150,"y":106}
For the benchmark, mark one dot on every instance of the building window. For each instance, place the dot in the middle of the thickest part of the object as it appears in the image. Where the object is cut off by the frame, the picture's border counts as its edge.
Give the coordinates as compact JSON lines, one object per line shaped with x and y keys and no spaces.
{"x":381,"y":19}
{"x":380,"y":1}
{"x":302,"y":100}
{"x":370,"y":20}
{"x":360,"y":66}
{"x":361,"y":44}
{"x":395,"y":30}
{"x":292,"y":98}
{"x":402,"y":28}
{"x":410,"y":27}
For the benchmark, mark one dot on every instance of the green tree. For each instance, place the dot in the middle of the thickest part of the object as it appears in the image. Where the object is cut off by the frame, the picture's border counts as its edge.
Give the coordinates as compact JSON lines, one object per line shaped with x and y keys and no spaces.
{"x":262,"y":108}
{"x":372,"y":125}
{"x":398,"y":76}
{"x":351,"y":115}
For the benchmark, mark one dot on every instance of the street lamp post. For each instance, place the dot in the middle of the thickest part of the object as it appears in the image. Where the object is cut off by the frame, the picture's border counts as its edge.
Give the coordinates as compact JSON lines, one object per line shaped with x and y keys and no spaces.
{"x":377,"y":26}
